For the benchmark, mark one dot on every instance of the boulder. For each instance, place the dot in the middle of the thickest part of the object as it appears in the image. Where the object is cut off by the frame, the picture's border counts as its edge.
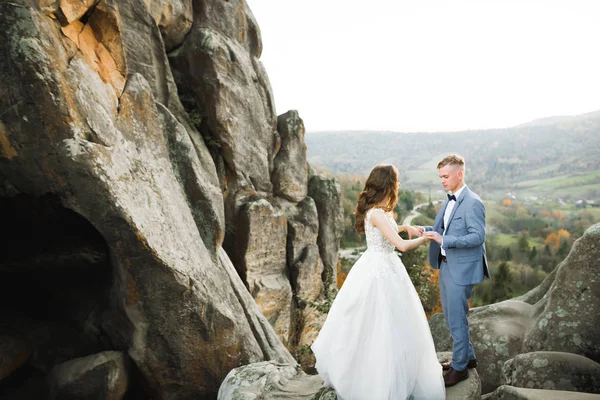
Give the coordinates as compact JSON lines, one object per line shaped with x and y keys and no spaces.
{"x":467,"y":389}
{"x":327,"y":195}
{"x":570,"y":319}
{"x":262,"y":263}
{"x":513,"y":393}
{"x":290,"y":172}
{"x":497,"y":332}
{"x":273,"y":381}
{"x":104,"y":374}
{"x":554,"y":371}
{"x":303,"y":257}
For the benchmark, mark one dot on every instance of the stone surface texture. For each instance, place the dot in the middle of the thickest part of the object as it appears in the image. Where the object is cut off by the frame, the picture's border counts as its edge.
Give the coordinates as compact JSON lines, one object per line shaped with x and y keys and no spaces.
{"x":154,"y":122}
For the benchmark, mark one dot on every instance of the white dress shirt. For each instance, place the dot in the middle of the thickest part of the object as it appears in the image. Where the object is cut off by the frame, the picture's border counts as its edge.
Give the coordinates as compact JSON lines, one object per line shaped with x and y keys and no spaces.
{"x":447,"y":214}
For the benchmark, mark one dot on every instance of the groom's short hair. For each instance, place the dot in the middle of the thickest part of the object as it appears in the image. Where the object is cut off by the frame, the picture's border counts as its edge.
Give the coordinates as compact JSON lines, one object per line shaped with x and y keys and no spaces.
{"x":452,"y":159}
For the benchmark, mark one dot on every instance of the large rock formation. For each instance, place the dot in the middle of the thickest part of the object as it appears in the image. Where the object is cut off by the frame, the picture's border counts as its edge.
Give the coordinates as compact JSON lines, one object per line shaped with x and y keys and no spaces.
{"x":139,"y":157}
{"x":547,"y":338}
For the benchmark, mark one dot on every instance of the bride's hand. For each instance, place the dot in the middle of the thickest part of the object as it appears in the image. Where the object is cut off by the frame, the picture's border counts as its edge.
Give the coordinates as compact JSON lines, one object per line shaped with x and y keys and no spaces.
{"x":413,"y":231}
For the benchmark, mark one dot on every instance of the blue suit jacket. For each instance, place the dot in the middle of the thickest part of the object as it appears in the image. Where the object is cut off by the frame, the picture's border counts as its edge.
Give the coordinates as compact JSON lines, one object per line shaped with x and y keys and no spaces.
{"x":463,"y":241}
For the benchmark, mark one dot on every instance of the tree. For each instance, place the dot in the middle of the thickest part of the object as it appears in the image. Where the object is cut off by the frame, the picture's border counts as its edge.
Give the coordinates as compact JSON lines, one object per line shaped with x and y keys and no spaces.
{"x":553,"y":239}
{"x":407,"y":197}
{"x":430,"y":211}
{"x":563,"y":234}
{"x":506,"y":254}
{"x":563,"y":250}
{"x":532,"y":254}
{"x":523,"y":244}
{"x":502,"y":283}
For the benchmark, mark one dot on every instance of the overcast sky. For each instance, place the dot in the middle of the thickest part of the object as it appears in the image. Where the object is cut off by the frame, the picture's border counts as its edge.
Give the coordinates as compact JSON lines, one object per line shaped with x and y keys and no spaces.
{"x":430,"y":65}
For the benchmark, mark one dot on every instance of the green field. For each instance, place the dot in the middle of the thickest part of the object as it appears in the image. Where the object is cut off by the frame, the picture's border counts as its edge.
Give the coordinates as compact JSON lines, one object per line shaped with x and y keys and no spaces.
{"x":506,"y":240}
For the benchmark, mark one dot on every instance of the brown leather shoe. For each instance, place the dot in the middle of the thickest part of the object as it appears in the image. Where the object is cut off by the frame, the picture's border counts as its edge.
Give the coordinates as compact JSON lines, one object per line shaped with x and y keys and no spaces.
{"x":472,"y":364}
{"x":452,"y":377}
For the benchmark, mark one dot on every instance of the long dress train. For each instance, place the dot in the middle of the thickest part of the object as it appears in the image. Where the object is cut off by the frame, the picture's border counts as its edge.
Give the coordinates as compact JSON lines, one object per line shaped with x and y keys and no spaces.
{"x":376,"y":343}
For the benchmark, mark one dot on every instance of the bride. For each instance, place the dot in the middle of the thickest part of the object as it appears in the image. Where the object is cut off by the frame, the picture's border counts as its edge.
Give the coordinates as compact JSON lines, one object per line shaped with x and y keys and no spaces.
{"x":376,"y":343}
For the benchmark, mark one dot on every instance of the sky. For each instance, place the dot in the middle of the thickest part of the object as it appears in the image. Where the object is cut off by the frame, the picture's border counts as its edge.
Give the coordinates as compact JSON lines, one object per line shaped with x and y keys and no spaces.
{"x":430,"y":65}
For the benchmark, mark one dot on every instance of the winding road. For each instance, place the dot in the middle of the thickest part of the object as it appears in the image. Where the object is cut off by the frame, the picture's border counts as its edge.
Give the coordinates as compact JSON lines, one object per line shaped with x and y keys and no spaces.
{"x":413,"y":214}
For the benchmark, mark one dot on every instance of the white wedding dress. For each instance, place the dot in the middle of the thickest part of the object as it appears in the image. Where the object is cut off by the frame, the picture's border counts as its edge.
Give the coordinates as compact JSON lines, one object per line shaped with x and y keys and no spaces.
{"x":376,"y":343}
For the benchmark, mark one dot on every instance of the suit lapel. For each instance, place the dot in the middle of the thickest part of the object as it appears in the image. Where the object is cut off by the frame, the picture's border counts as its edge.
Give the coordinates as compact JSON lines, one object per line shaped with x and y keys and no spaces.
{"x":458,"y":202}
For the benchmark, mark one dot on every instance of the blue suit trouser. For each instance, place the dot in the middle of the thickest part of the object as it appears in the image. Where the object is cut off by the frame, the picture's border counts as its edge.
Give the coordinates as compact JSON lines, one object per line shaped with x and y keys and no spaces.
{"x":455,"y":305}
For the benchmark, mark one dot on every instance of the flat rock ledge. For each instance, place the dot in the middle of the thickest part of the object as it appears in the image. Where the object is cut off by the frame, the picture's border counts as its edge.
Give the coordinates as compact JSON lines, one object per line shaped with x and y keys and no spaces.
{"x":469,"y":389}
{"x":505,"y":392}
{"x":269,"y":380}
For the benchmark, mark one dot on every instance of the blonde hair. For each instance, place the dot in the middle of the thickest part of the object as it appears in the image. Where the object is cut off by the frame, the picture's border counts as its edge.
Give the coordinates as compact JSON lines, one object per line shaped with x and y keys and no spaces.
{"x":381,"y":184}
{"x":452,"y":159}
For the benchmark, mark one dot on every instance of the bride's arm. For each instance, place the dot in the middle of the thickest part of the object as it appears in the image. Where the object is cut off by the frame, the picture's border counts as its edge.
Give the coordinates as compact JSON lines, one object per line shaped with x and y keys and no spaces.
{"x":379,"y":220}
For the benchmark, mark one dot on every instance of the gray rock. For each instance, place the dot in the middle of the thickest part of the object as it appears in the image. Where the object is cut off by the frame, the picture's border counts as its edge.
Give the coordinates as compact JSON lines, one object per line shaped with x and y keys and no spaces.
{"x":263,"y":266}
{"x":98,"y":135}
{"x":290,"y":173}
{"x":217,"y":67}
{"x":496,"y":333}
{"x":102,"y":375}
{"x":303,"y":257}
{"x":468,"y":389}
{"x":328,"y":197}
{"x":553,"y":371}
{"x":174,"y":19}
{"x":270,"y":380}
{"x":570,"y":320}
{"x":513,"y":393}
{"x":273,"y":381}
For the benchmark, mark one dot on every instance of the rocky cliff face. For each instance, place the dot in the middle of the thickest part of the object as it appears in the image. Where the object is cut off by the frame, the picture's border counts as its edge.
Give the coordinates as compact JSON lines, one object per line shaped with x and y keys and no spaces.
{"x":161,"y":228}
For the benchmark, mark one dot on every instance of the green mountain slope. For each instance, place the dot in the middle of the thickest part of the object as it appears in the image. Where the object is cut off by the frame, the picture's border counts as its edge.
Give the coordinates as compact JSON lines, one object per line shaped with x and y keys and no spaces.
{"x":550,"y":157}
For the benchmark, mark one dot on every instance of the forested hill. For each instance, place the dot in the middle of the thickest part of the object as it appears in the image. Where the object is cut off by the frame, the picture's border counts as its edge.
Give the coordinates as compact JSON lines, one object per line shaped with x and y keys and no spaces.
{"x":551,"y":157}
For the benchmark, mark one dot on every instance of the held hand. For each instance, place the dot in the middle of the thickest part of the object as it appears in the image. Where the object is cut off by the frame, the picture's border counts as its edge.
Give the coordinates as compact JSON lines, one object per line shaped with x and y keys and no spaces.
{"x":414,"y":231}
{"x":432,"y":235}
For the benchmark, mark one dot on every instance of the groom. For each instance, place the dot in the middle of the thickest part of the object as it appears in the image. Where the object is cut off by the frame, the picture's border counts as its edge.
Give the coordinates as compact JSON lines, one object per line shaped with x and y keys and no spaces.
{"x":457,"y":250}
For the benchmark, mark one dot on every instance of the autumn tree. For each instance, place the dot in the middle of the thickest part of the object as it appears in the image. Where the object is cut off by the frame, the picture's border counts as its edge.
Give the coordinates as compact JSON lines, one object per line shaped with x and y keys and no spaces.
{"x":552,"y":239}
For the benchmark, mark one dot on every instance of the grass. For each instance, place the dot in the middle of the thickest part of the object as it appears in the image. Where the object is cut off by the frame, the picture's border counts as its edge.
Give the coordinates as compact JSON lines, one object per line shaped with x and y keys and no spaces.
{"x":561,"y":186}
{"x":503,"y":239}
{"x":506,"y":240}
{"x":544,"y":170}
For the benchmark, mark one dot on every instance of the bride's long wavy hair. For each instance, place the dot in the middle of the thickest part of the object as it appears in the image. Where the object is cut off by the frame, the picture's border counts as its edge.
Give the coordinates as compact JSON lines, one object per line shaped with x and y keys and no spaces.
{"x":381,"y":184}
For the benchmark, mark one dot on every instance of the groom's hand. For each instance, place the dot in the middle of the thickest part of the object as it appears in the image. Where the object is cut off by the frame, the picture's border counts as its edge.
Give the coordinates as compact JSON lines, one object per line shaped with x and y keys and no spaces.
{"x":432,"y":235}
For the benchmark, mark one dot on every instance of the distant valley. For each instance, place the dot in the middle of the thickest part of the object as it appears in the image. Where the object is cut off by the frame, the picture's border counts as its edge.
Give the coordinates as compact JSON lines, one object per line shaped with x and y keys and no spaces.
{"x":556,"y":157}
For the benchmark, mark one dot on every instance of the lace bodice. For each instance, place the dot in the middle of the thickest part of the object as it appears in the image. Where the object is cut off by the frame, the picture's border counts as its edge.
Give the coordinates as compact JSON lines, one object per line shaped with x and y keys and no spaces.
{"x":375,"y":239}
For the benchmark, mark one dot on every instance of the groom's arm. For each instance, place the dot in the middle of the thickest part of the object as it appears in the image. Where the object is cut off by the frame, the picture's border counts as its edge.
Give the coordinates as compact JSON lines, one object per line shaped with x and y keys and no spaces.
{"x":475,"y":220}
